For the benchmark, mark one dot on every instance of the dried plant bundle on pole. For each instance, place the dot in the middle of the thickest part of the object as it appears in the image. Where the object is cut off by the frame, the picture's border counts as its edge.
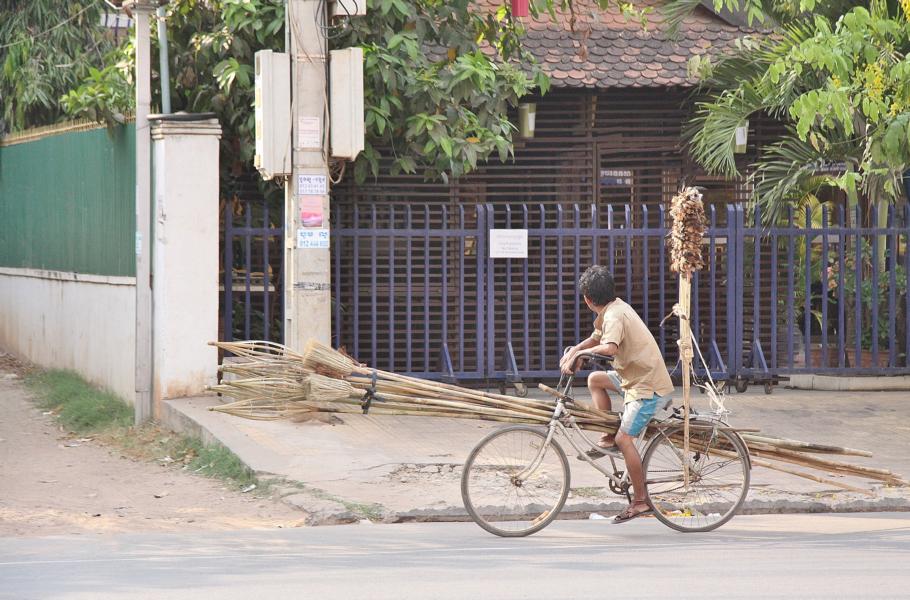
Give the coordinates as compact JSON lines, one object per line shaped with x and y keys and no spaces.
{"x":686,"y":233}
{"x":687,"y":212}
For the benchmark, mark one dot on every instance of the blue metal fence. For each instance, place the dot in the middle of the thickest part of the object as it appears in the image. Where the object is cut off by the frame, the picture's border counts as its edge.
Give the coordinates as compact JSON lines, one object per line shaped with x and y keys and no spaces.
{"x":409,"y":291}
{"x":252,"y":265}
{"x":827,"y":292}
{"x":416,"y":291}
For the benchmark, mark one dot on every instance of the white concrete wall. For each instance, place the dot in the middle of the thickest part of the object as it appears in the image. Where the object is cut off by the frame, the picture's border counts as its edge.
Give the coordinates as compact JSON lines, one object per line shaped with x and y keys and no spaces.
{"x":71,"y":321}
{"x":185,"y":257}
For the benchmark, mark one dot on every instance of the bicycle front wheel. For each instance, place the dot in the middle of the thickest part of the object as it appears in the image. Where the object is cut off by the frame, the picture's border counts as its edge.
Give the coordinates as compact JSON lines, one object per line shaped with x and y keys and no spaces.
{"x":718,"y":477}
{"x":512,"y":485}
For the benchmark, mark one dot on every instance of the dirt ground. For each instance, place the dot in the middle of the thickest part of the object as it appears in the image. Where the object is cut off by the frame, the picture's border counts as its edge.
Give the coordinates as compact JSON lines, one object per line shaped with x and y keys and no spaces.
{"x":53,"y":483}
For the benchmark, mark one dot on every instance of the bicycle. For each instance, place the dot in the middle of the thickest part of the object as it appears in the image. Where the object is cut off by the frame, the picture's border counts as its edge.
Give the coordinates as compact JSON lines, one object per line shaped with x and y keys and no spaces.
{"x":516,"y":480}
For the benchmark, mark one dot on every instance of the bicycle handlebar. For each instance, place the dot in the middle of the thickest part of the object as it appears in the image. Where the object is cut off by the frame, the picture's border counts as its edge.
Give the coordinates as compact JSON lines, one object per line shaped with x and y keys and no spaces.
{"x":595,"y":356}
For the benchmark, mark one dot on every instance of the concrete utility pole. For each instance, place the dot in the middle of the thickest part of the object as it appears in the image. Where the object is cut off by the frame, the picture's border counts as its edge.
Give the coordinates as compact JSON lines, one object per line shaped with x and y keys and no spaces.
{"x":307,"y":265}
{"x":142,"y":9}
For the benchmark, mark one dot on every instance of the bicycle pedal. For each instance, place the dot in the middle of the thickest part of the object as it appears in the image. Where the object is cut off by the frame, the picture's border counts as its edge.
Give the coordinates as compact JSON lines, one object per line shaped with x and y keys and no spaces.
{"x":598,"y":454}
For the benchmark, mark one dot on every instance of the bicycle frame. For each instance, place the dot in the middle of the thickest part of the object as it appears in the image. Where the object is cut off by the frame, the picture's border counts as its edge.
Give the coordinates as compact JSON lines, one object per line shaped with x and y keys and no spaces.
{"x":561,"y":418}
{"x":557,"y":423}
{"x":669,"y":499}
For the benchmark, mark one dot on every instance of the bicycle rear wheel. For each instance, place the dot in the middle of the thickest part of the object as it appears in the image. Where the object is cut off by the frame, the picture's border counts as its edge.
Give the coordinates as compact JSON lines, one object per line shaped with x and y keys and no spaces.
{"x":718,"y":478}
{"x":503,"y":493}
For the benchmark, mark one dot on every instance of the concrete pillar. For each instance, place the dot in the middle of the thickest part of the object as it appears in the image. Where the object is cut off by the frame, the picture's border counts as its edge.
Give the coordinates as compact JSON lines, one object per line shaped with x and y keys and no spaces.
{"x":184,"y":254}
{"x":307,"y":281}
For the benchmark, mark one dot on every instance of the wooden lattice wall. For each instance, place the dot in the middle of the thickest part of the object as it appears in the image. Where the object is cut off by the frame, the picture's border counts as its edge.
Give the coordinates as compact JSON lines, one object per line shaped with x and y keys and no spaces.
{"x":610,"y":150}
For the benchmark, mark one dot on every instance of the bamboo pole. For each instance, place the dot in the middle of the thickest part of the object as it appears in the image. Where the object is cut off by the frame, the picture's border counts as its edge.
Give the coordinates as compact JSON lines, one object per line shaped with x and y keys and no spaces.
{"x":685,"y":356}
{"x":803,"y":446}
{"x":797,"y":458}
{"x":804,"y":475}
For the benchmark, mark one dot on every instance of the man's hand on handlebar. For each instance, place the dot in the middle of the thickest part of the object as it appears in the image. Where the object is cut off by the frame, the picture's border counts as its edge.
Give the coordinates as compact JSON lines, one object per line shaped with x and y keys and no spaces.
{"x":570,"y":362}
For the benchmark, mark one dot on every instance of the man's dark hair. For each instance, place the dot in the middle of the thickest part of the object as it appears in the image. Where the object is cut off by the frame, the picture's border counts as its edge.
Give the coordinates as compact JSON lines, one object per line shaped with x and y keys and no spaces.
{"x":597,"y":284}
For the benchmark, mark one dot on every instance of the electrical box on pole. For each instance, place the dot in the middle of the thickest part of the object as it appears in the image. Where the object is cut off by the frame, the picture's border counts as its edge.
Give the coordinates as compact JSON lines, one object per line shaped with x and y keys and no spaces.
{"x":349,"y":8}
{"x":346,"y":102}
{"x":273,"y":114}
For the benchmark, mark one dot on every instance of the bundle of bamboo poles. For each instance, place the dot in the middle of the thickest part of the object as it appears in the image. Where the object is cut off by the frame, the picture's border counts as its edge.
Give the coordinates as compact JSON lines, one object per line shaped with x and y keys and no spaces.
{"x":269,"y":381}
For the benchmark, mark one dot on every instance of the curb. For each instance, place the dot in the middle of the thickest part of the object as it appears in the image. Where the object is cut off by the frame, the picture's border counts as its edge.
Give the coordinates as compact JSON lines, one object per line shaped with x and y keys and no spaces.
{"x":450,"y":514}
{"x":779,"y":503}
{"x":829,"y":383}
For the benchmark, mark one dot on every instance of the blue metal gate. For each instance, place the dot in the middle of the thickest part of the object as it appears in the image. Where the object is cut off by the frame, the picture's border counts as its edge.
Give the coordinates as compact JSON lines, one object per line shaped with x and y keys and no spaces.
{"x":416,"y":291}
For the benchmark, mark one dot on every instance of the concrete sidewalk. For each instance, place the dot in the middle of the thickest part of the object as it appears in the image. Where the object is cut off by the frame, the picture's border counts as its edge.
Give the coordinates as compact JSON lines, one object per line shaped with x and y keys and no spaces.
{"x":408,"y":468}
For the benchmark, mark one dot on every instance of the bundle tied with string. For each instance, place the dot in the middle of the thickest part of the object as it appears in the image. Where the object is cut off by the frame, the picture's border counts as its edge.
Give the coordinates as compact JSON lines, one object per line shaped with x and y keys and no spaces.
{"x":274,"y":382}
{"x":689,"y":224}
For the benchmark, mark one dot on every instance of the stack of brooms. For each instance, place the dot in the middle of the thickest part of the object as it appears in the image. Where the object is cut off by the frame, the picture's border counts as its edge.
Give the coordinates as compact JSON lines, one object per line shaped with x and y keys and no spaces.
{"x":269,"y":381}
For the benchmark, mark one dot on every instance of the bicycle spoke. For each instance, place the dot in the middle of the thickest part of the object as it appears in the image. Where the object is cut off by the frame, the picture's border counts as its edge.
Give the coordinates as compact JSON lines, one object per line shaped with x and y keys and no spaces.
{"x":507,"y":489}
{"x":718,"y":480}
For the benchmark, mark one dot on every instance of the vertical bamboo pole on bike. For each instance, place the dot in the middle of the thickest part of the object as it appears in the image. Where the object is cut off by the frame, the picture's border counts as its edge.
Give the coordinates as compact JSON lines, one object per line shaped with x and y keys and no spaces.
{"x":685,"y":357}
{"x":688,"y":229}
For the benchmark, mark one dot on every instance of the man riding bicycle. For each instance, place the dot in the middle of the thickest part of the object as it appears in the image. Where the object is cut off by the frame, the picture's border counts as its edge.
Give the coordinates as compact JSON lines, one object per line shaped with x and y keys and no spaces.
{"x":641,"y":375}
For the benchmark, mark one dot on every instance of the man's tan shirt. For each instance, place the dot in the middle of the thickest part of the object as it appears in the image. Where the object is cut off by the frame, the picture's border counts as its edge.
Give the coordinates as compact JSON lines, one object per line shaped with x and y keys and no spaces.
{"x":638,"y":360}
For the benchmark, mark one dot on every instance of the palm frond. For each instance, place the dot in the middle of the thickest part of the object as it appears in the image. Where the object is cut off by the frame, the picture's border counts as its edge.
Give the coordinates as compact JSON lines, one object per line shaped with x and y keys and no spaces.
{"x":711,"y":132}
{"x":675,"y":12}
{"x":787,"y":174}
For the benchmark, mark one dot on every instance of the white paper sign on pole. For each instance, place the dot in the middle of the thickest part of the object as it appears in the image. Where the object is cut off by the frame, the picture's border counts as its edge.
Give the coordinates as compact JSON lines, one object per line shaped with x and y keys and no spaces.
{"x":309,"y":132}
{"x":312,"y":238}
{"x":311,"y":185}
{"x":508,"y":243}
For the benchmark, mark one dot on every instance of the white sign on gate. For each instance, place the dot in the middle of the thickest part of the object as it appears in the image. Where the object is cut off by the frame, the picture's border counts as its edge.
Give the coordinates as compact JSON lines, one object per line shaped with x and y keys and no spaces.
{"x":508,"y":243}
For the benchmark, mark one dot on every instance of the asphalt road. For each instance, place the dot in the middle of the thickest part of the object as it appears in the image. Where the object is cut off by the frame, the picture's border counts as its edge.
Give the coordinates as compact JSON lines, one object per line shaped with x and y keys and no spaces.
{"x":768,"y":556}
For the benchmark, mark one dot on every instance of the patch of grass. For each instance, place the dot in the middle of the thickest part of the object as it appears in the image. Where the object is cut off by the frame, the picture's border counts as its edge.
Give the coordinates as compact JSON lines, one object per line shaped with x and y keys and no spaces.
{"x":81,"y":407}
{"x":216,"y":461}
{"x":373,"y":511}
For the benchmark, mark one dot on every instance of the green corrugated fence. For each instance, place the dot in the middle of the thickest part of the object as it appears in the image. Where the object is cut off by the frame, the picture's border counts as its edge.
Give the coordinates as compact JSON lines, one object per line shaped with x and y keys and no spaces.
{"x":67,"y":202}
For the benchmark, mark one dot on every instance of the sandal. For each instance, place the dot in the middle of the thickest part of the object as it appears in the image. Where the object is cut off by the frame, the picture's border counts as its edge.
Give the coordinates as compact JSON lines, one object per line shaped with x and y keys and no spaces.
{"x":606,"y":442}
{"x":596,"y":453}
{"x":629,"y":513}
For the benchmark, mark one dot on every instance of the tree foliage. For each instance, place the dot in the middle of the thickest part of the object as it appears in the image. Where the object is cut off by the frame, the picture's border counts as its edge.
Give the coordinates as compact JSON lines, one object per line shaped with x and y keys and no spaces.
{"x":440,"y":76}
{"x":840,"y":80}
{"x":211,"y":47}
{"x":46,"y":48}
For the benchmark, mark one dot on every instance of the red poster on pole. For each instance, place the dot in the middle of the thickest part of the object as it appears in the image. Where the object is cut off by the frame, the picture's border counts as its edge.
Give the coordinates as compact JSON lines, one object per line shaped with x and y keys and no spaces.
{"x":311,"y":211}
{"x":519,"y":8}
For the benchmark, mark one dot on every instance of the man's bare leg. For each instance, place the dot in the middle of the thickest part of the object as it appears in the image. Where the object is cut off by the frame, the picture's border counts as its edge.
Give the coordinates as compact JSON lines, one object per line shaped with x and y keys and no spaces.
{"x":598,"y":384}
{"x":626,"y":444}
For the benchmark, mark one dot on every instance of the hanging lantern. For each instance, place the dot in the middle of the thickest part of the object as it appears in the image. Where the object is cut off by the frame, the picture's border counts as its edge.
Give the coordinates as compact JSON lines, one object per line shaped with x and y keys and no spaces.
{"x":741,"y":138}
{"x":527,"y":117}
{"x":519,"y":8}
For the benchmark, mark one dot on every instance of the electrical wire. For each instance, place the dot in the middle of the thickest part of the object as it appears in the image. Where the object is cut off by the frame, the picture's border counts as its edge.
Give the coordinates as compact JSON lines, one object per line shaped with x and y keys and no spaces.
{"x":328,"y":28}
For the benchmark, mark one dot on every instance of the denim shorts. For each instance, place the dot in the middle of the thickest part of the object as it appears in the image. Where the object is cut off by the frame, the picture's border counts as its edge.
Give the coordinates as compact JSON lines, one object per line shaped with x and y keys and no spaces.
{"x":637,"y":413}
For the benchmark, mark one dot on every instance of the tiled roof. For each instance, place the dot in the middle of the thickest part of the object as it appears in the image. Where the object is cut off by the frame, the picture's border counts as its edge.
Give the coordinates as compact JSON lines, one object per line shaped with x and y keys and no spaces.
{"x":608,"y":50}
